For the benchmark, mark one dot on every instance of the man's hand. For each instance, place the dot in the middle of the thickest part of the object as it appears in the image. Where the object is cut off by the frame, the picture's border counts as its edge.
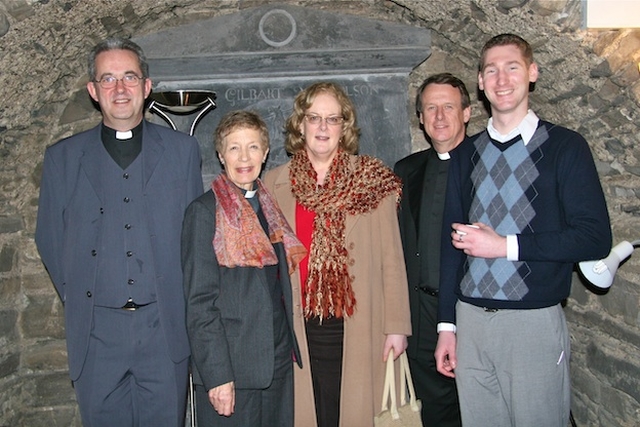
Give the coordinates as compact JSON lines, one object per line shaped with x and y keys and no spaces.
{"x":445,"y":354}
{"x":223,"y":398}
{"x":478,"y":240}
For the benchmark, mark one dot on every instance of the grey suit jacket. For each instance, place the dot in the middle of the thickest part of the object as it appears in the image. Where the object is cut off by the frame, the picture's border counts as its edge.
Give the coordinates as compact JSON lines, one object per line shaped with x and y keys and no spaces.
{"x":229,"y":310}
{"x":69,"y":227}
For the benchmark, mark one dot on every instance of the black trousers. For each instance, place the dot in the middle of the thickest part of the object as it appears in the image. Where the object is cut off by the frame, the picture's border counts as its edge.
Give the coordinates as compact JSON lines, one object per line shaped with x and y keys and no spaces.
{"x":325,"y":343}
{"x":438,"y":393}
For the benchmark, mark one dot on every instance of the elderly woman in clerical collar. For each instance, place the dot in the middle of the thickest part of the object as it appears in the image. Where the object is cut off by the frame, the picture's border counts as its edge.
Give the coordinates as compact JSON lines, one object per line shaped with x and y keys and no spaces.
{"x":237,"y":254}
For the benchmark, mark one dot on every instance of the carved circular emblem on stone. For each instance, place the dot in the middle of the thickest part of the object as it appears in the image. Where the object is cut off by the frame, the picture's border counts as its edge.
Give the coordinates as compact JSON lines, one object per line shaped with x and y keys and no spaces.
{"x":277,"y":28}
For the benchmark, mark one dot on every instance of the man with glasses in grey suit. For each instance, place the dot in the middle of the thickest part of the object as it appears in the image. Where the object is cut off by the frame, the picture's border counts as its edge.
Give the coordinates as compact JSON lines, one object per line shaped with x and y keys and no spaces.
{"x":110,"y":213}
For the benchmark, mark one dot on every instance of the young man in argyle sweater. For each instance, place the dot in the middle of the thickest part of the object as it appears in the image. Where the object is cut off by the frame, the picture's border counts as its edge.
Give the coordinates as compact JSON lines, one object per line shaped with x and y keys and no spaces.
{"x":532,"y":195}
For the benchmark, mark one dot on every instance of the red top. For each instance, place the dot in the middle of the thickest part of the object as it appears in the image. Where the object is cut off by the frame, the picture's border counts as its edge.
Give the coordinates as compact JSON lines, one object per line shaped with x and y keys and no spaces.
{"x":304,"y":231}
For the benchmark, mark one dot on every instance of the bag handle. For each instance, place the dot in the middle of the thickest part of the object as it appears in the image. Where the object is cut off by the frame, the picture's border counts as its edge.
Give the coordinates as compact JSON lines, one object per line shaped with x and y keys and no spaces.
{"x":389,"y":389}
{"x":405,"y":377}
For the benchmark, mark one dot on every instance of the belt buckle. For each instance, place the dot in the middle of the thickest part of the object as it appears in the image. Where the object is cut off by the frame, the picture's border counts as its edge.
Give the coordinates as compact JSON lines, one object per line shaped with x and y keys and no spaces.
{"x":131,"y":305}
{"x":490,"y":310}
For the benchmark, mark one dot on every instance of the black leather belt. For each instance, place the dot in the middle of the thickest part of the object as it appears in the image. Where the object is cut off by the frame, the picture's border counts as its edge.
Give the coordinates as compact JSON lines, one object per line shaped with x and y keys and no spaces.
{"x":132,"y":306}
{"x":429,"y":291}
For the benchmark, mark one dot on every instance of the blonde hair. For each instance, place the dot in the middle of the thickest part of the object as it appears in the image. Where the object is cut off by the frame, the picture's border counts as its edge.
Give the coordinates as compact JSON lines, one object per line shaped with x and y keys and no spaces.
{"x":295,"y":141}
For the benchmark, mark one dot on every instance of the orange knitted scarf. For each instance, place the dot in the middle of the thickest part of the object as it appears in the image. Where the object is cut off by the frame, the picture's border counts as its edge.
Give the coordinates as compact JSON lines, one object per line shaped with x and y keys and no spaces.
{"x":350,"y":188}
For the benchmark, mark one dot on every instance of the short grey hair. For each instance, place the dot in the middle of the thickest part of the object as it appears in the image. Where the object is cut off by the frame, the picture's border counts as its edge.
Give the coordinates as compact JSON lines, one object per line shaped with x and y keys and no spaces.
{"x":117,"y":43}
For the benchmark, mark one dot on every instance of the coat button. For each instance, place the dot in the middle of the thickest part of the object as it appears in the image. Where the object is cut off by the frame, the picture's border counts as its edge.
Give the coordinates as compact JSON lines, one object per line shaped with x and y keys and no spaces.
{"x":94,"y":252}
{"x":129,"y":253}
{"x":127,"y":226}
{"x":125,"y":175}
{"x":101,"y":210}
{"x":131,"y":281}
{"x":89,"y":294}
{"x":126,"y":200}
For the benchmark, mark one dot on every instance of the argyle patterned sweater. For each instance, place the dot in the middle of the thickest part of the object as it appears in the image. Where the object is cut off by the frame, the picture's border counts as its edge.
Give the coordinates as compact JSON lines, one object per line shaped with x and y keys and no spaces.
{"x":547,"y":193}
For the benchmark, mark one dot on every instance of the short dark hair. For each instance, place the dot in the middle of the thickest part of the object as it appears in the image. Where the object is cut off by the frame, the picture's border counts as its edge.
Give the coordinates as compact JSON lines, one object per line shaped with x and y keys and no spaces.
{"x":505,"y":40}
{"x":240,"y":119}
{"x":295,"y":141}
{"x":444,"y":79}
{"x":117,"y":43}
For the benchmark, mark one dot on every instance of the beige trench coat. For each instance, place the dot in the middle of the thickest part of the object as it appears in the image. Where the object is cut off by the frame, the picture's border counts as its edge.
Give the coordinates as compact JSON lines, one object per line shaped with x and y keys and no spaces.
{"x":382,"y":307}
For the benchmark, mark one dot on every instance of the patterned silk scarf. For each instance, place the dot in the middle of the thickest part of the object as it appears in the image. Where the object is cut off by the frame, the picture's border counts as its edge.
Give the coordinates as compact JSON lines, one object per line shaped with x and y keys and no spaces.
{"x":239,"y":240}
{"x":350,"y":188}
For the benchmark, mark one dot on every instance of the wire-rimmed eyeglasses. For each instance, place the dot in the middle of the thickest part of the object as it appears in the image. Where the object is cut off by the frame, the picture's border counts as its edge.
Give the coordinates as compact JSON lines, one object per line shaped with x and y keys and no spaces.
{"x":314,"y":119}
{"x":109,"y":82}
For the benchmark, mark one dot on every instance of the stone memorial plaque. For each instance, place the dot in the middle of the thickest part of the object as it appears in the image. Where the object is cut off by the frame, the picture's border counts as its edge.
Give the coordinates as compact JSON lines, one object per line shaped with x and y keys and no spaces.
{"x":260,"y":58}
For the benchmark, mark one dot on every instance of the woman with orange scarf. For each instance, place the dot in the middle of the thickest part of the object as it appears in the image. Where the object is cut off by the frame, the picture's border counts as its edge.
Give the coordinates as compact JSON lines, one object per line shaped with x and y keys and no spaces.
{"x":237,"y":254}
{"x":352,"y":300}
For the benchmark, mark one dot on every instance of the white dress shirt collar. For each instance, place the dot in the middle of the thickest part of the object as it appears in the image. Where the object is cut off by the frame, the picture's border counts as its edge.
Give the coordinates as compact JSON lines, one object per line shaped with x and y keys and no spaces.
{"x":526,"y":129}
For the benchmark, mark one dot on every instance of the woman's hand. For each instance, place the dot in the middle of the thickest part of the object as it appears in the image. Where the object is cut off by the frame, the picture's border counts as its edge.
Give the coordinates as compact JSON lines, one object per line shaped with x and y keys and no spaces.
{"x":223,"y":398}
{"x":397,"y":342}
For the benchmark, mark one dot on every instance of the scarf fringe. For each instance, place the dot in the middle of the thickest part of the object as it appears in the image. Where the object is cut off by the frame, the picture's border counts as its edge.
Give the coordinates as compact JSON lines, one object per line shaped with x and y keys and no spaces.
{"x":349,"y":189}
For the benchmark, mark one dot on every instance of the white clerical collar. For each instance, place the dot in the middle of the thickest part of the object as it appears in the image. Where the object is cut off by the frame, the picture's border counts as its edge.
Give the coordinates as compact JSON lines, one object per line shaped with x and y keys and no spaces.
{"x":526,"y":128}
{"x":444,"y":156}
{"x":124,"y":135}
{"x":250,"y":193}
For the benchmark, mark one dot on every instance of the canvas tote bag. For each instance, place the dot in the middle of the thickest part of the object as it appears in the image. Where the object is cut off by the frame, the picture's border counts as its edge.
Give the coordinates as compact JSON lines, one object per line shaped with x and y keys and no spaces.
{"x":408,"y":414}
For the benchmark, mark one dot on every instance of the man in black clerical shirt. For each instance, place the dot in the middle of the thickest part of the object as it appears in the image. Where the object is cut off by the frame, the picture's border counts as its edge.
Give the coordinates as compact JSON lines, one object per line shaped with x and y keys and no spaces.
{"x":443,"y":107}
{"x":110,"y":213}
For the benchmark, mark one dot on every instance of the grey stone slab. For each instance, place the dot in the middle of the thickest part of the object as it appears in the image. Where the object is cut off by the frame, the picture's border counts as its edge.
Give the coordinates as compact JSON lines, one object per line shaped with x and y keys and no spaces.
{"x":6,"y":258}
{"x":287,"y":38}
{"x":51,"y":389}
{"x":260,"y":58}
{"x":8,"y":320}
{"x":47,"y":356}
{"x":9,"y":364}
{"x":380,"y":107}
{"x":42,"y":318}
{"x":10,"y":224}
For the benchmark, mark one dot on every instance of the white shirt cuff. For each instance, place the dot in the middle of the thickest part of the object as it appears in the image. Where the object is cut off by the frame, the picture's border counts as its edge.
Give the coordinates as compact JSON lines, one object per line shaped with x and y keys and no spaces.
{"x":445,"y":326}
{"x":513,"y":250}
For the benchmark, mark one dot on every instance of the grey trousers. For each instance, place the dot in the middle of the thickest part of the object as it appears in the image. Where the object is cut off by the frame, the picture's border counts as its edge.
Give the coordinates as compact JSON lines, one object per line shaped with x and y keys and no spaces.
{"x":513,"y":367}
{"x":128,"y":379}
